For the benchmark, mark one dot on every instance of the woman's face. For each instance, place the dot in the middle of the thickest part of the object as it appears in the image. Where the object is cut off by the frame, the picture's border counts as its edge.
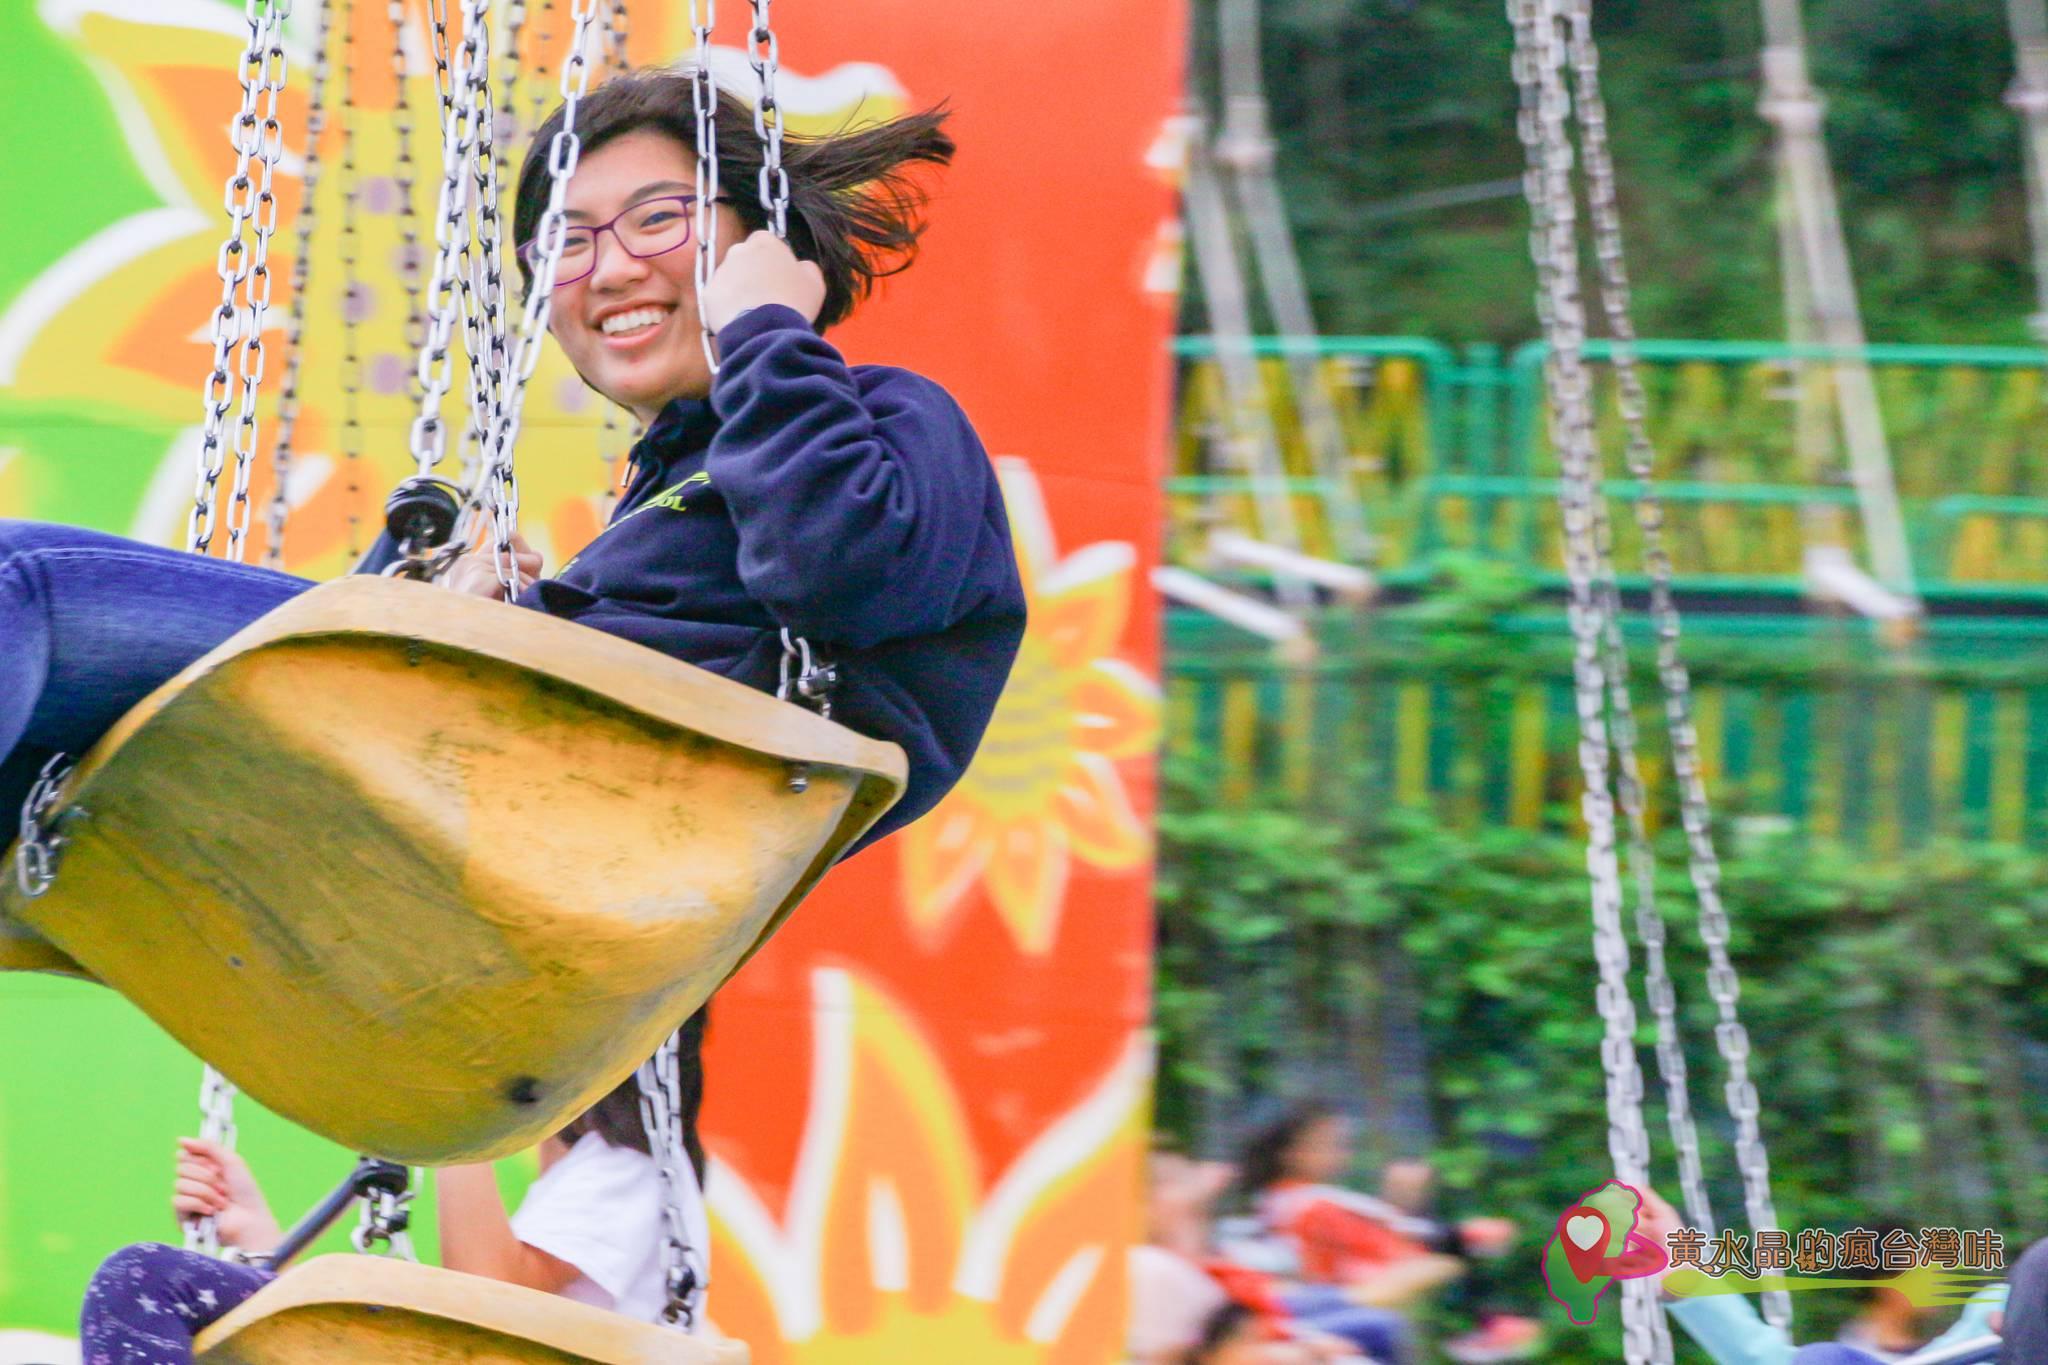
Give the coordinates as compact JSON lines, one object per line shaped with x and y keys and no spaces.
{"x":630,"y":326}
{"x":1321,"y":1152}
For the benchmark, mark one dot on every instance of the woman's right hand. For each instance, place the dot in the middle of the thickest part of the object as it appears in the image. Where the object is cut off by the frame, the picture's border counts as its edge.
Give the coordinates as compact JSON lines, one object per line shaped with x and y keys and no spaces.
{"x":476,"y":573}
{"x":213,"y":1182}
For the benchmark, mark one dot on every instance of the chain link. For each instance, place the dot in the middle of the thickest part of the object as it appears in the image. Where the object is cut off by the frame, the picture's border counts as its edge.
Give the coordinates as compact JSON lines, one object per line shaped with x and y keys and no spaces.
{"x":350,"y":250}
{"x":452,"y":227}
{"x":549,"y":236}
{"x":704,"y":108}
{"x":260,"y":68}
{"x":1723,"y":984}
{"x":268,"y":147}
{"x":279,"y":510}
{"x":661,"y":1112}
{"x":617,"y":39}
{"x":40,"y":842}
{"x":544,"y":36}
{"x":385,"y":1228}
{"x":1541,"y":123}
{"x":481,"y":274}
{"x":509,"y":69}
{"x":405,"y":174}
{"x":765,"y":52}
{"x":216,"y":1124}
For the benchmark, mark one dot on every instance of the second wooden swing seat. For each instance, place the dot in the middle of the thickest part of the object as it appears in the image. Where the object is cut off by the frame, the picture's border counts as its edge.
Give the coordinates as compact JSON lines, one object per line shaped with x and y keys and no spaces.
{"x":428,"y":874}
{"x":366,"y":1310}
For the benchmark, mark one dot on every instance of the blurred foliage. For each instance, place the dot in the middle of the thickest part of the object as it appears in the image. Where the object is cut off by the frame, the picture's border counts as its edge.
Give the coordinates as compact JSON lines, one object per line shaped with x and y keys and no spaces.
{"x":1376,"y":100}
{"x":1899,"y":1012}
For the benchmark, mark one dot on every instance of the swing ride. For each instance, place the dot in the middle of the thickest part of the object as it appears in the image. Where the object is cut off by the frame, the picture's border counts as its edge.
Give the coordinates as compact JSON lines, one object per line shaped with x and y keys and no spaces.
{"x":1556,"y":68}
{"x":506,"y":853}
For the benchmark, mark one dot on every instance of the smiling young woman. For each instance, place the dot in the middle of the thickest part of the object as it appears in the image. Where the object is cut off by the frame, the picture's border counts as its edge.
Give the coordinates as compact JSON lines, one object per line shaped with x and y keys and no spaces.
{"x":851,"y":505}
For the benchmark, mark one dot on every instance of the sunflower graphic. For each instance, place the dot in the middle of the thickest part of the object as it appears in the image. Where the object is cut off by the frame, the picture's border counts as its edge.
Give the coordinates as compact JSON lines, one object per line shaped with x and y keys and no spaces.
{"x":1046,"y":788}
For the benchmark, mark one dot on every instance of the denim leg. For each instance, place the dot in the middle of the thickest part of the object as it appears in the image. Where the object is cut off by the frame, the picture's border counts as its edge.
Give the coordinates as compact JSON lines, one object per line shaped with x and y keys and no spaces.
{"x":1379,"y":1332}
{"x":1833,"y":1353}
{"x":2026,"y":1307}
{"x":90,"y":624}
{"x":147,"y":1302}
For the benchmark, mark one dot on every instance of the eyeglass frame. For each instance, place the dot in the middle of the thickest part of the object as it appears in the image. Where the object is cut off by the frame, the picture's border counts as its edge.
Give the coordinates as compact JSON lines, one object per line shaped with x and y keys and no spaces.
{"x":527,"y":249}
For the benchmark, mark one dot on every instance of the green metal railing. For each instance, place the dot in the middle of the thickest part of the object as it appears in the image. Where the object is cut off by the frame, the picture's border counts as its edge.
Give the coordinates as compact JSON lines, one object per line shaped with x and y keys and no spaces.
{"x":1449,"y":453}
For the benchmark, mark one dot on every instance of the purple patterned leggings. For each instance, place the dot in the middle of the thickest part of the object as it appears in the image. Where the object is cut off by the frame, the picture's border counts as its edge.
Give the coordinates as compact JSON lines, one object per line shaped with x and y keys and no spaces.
{"x":146,"y":1302}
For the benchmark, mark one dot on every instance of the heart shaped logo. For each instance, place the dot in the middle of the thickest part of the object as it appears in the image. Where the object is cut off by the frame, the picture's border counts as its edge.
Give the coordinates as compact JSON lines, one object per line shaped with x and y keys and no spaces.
{"x":1584,"y":1239}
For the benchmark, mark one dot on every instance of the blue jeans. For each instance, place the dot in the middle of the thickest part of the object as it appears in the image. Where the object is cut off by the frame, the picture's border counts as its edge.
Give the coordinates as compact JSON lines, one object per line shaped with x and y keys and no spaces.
{"x":1379,"y":1332}
{"x":90,"y":624}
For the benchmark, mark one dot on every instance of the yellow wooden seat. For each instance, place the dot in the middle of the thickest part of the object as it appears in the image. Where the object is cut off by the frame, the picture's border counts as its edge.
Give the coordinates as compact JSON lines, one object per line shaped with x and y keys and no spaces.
{"x":429,"y":874}
{"x":363,"y":1310}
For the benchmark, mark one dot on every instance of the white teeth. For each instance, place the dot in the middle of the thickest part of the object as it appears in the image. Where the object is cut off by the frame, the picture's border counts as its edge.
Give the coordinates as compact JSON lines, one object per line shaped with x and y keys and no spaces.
{"x":633,"y":321}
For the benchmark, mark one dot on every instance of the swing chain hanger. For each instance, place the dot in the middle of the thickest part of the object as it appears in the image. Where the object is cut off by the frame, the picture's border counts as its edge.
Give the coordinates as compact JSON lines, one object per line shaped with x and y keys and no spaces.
{"x":764,"y":52}
{"x":661,"y":1113}
{"x":704,"y":108}
{"x":1723,"y":984}
{"x":405,"y":177}
{"x":436,"y":363}
{"x":217,"y":1125}
{"x":278,"y":512}
{"x":386,"y":1225}
{"x":1542,"y":126}
{"x":248,"y":200}
{"x":618,"y":38}
{"x":550,"y":235}
{"x":41,"y":838}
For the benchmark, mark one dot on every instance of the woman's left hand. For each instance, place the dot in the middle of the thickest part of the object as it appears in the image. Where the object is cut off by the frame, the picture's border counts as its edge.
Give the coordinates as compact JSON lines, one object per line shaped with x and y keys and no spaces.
{"x":757,"y":272}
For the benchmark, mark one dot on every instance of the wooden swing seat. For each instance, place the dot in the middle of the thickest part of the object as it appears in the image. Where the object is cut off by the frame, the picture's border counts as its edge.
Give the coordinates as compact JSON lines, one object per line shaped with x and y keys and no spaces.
{"x":429,"y":874}
{"x":365,"y":1310}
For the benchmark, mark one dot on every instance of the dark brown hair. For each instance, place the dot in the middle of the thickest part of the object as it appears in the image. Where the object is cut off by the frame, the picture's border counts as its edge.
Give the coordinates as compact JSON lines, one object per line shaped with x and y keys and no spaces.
{"x":616,"y":1118}
{"x":855,"y":203}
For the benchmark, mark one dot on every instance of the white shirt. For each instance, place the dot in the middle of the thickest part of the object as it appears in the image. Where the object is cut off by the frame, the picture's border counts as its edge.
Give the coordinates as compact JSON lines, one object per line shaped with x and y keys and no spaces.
{"x":1171,"y":1299}
{"x":600,"y":1209}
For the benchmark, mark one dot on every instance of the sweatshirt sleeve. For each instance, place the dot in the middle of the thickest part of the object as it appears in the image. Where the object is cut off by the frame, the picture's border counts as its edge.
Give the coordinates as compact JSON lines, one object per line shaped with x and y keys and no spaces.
{"x":1727,"y":1328}
{"x":859,"y":514}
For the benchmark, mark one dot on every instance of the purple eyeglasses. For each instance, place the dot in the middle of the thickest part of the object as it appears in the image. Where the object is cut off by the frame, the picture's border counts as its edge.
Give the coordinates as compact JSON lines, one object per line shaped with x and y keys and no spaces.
{"x":652,"y":227}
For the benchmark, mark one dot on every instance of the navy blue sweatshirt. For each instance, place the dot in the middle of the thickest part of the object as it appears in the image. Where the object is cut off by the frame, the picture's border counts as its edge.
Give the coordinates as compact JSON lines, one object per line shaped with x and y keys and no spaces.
{"x":855,"y":506}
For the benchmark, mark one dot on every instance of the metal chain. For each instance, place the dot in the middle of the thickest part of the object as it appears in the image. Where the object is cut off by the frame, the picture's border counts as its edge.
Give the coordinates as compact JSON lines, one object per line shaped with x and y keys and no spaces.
{"x":385,"y":1228}
{"x":351,"y":289}
{"x":549,"y":235}
{"x":508,"y":85}
{"x":544,"y":34}
{"x":804,"y":676}
{"x":1627,"y":771}
{"x":1553,"y":239}
{"x":1703,"y":861}
{"x":481,"y":273}
{"x":216,"y":1124}
{"x":40,"y":842}
{"x":704,"y":105}
{"x":256,"y":285}
{"x":436,"y":363}
{"x":617,"y":39}
{"x":765,"y":52}
{"x":259,"y":69}
{"x":405,"y":174}
{"x":279,"y":510}
{"x":661,"y":1113}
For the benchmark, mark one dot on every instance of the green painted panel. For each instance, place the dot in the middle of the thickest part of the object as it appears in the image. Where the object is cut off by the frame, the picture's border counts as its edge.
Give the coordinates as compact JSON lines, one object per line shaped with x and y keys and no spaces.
{"x":92,"y":1097}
